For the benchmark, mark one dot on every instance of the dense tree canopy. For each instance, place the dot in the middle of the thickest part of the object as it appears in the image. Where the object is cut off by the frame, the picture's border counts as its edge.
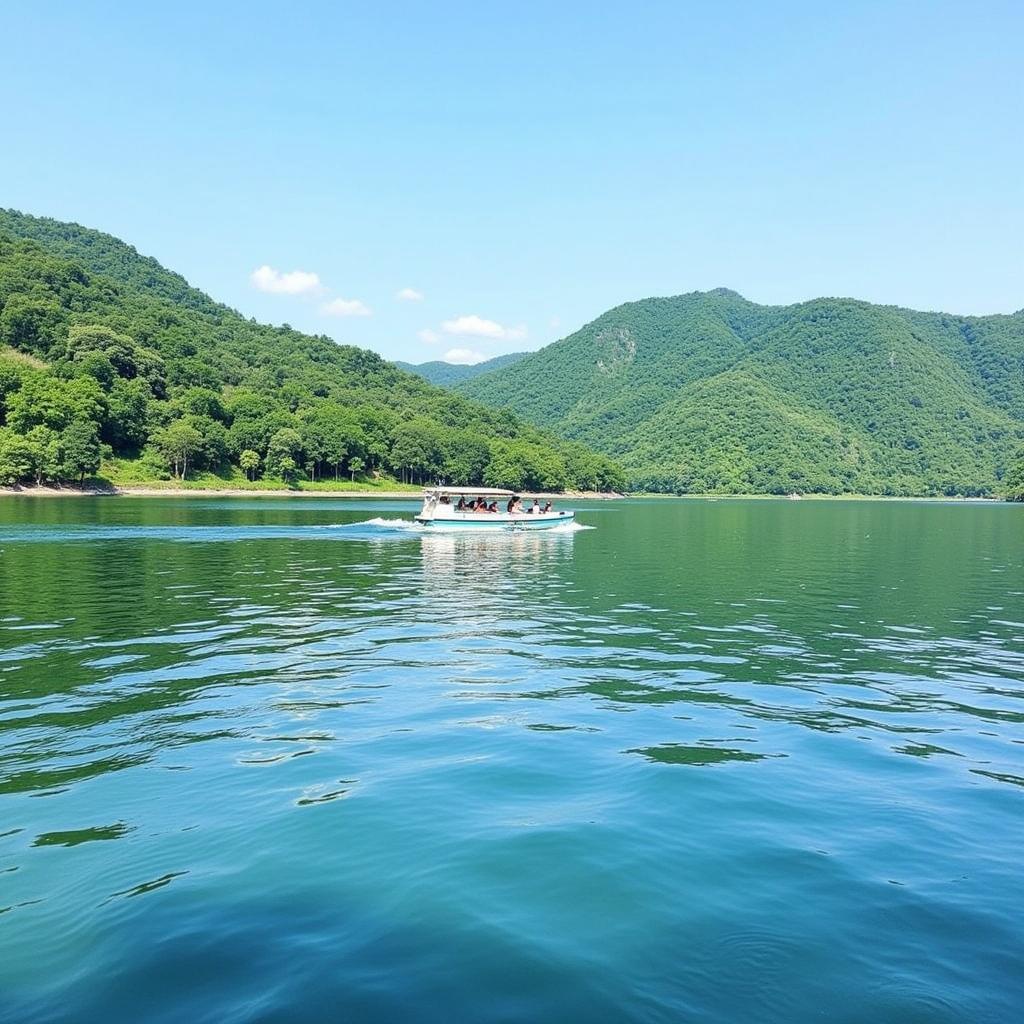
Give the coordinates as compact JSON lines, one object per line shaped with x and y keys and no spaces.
{"x":710,"y":392}
{"x":105,"y":351}
{"x":1014,"y":489}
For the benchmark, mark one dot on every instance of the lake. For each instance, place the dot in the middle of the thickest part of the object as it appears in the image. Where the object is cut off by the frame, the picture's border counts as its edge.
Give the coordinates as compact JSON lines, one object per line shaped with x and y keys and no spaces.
{"x":705,"y":760}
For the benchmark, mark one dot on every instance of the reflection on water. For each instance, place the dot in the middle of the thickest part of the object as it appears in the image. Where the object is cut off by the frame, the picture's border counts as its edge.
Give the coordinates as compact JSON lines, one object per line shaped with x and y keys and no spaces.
{"x":675,"y":753}
{"x":716,"y":761}
{"x":502,"y":573}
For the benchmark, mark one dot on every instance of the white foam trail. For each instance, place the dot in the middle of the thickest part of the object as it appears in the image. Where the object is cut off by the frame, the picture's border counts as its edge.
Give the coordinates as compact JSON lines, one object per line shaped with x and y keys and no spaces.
{"x":390,"y":524}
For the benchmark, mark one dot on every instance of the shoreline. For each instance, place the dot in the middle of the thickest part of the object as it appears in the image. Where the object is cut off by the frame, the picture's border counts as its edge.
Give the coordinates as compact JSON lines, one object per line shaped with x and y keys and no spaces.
{"x":144,"y":491}
{"x":148,"y":491}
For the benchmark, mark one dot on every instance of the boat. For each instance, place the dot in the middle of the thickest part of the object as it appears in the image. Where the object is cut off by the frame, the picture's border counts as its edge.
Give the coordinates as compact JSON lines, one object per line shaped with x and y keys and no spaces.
{"x":439,"y":511}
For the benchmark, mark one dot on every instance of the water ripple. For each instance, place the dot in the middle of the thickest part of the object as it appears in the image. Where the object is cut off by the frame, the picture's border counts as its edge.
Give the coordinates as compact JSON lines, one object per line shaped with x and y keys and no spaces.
{"x":694,"y":764}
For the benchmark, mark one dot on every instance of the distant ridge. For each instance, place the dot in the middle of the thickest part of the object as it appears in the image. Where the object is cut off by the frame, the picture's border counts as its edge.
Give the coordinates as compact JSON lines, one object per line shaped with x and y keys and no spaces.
{"x":711,"y":392}
{"x":450,"y":374}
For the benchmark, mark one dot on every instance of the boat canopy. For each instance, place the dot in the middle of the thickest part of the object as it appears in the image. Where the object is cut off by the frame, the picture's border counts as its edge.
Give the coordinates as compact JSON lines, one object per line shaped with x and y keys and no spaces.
{"x":483,"y":492}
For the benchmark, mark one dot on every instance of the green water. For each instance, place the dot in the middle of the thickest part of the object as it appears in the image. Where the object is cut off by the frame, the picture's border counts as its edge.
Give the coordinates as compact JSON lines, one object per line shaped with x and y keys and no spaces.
{"x":708,"y":761}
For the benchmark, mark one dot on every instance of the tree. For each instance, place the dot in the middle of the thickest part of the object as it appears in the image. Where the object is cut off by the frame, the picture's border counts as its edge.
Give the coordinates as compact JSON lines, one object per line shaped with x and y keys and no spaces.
{"x":47,"y":453}
{"x":378,"y":424}
{"x":522,"y":466}
{"x":583,"y":467}
{"x":31,"y":324}
{"x":17,"y":458}
{"x":287,"y":469}
{"x":44,"y":400}
{"x":245,"y":404}
{"x":592,"y":472}
{"x":314,"y":443}
{"x":330,"y":434}
{"x":178,"y":443}
{"x":249,"y":461}
{"x":201,"y":402}
{"x":213,"y":452}
{"x":255,"y":432}
{"x":1013,"y":483}
{"x":610,"y":476}
{"x":286,"y":444}
{"x":150,"y":368}
{"x":355,"y":465}
{"x":80,"y":450}
{"x":465,"y":457}
{"x":11,"y":375}
{"x":125,"y":428}
{"x":86,"y":342}
{"x":97,"y":366}
{"x":416,"y":449}
{"x":192,"y":372}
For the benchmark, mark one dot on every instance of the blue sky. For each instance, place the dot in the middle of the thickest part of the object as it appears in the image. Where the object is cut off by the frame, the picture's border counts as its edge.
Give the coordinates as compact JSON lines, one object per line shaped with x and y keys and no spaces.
{"x":524,"y":167}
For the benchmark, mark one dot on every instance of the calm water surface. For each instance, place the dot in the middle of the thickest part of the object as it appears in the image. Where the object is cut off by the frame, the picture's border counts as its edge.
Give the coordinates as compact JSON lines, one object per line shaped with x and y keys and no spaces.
{"x":711,"y":761}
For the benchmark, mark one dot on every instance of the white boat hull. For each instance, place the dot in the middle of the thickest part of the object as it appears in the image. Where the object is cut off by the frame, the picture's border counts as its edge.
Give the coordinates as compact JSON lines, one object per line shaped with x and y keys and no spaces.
{"x":496,"y":520}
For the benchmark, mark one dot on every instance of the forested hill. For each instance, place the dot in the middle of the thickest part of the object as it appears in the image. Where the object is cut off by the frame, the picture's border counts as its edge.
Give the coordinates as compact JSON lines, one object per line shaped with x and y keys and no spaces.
{"x":449,"y":374}
{"x":710,"y":392}
{"x":105,"y":352}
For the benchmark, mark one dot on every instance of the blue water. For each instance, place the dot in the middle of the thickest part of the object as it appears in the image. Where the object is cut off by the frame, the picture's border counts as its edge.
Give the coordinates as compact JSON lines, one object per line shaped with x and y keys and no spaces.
{"x":270,"y":760}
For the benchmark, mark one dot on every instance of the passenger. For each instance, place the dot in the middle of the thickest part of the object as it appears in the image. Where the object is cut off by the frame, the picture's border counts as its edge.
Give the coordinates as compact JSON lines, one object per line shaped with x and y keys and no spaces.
{"x":511,"y":505}
{"x":481,"y":505}
{"x":547,"y":507}
{"x":493,"y":507}
{"x":461,"y":506}
{"x":445,"y":500}
{"x":535,"y":507}
{"x":517,"y":505}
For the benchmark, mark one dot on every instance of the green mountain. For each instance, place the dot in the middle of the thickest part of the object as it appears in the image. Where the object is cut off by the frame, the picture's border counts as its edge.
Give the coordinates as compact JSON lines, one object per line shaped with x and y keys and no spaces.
{"x":447,"y":375}
{"x":104,"y":352}
{"x":710,"y":392}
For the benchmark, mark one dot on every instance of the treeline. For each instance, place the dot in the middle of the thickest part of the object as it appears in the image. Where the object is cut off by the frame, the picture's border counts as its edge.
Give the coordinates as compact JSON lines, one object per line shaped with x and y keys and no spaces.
{"x":146,"y":368}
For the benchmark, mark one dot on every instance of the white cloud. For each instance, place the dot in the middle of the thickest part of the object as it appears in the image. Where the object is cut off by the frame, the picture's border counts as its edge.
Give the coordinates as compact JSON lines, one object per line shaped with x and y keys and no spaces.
{"x":478,"y":327}
{"x":429,"y":336}
{"x":295,"y":282}
{"x":409,"y":295}
{"x":463,"y":356}
{"x":346,"y":307}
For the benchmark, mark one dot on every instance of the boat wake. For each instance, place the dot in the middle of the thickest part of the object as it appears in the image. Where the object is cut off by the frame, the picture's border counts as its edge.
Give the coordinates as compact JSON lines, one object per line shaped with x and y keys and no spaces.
{"x":384,"y":523}
{"x":379,"y":528}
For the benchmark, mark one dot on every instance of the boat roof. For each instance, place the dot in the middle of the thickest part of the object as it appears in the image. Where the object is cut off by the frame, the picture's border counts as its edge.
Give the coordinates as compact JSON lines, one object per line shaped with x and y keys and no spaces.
{"x":495,"y":492}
